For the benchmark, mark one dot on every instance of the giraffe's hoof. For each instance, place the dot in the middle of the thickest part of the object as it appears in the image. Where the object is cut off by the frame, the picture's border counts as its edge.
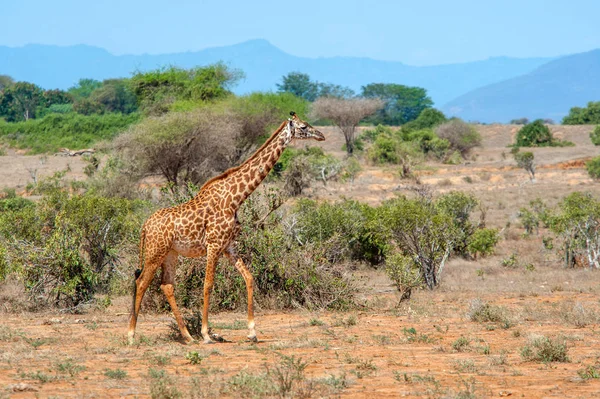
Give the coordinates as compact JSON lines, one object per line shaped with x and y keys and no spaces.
{"x":188,"y":340}
{"x":252,"y":338}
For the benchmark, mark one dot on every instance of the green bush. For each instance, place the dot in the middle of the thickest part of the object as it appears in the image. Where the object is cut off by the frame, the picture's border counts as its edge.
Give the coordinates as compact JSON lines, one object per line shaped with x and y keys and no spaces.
{"x":546,"y":350}
{"x":428,"y":141}
{"x":71,"y":130}
{"x":289,"y":269}
{"x":404,"y":273}
{"x":483,"y":242}
{"x":427,"y":119}
{"x":595,"y":135}
{"x":593,"y":167}
{"x":370,"y":135}
{"x":534,"y":134}
{"x":537,"y":134}
{"x":589,"y":115}
{"x":354,"y":225}
{"x":64,"y":247}
{"x":459,"y":206}
{"x":423,"y":234}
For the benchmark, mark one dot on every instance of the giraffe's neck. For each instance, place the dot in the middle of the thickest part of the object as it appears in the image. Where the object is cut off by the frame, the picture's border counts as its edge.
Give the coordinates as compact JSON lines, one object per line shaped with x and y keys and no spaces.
{"x":243,"y":180}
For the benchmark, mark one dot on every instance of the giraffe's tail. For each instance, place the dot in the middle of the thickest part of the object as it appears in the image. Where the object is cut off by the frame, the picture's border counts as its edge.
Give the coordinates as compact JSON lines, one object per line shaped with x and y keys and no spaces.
{"x":138,"y":272}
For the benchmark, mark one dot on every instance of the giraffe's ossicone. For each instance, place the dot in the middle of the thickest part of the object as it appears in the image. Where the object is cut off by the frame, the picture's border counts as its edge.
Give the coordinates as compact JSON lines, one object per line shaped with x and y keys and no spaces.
{"x":207,"y":226}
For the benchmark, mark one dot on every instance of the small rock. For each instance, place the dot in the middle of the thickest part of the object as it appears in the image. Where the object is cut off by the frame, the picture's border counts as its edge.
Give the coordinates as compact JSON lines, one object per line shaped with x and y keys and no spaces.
{"x":80,"y":321}
{"x":505,"y":393}
{"x":22,"y":387}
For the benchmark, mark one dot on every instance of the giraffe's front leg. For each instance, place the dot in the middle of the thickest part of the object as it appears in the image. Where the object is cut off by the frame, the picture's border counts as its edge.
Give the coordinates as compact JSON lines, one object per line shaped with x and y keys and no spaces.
{"x":241,"y":267}
{"x":212,"y":255}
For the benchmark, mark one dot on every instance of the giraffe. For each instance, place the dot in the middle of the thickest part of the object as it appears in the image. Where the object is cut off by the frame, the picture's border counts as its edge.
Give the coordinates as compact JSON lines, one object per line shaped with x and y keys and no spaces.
{"x":208,"y":225}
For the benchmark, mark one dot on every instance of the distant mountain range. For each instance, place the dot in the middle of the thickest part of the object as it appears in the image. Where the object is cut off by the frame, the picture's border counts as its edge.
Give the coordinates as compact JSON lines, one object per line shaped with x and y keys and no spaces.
{"x":547,"y":92}
{"x":481,"y":90}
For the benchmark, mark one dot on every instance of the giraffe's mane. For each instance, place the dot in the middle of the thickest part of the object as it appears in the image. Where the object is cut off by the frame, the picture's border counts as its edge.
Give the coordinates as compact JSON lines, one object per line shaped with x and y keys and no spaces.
{"x":253,"y":156}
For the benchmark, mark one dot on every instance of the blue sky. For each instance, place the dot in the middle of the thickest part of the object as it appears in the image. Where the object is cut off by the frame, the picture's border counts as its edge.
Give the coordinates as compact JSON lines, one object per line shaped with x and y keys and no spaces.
{"x":424,"y":32}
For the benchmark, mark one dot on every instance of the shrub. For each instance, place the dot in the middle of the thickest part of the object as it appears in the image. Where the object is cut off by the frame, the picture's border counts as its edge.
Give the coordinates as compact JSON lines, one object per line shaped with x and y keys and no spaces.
{"x":402,"y":271}
{"x":595,"y":135}
{"x":427,"y":119}
{"x":537,"y":134}
{"x":287,"y":273}
{"x":583,"y":116}
{"x":71,"y":130}
{"x":534,"y":134}
{"x":483,"y":242}
{"x":353,"y":225}
{"x":461,"y":136}
{"x":428,"y":141}
{"x":546,"y":350}
{"x":189,"y":146}
{"x":593,"y":167}
{"x":65,"y":247}
{"x":577,"y":223}
{"x":525,"y":160}
{"x":482,"y":312}
{"x":458,"y":206}
{"x":371,"y":135}
{"x":422,"y":233}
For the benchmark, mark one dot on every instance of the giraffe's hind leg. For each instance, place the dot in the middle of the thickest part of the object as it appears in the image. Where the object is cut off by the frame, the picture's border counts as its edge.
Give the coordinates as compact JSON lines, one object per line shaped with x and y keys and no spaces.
{"x":168,"y":278}
{"x":243,"y":269}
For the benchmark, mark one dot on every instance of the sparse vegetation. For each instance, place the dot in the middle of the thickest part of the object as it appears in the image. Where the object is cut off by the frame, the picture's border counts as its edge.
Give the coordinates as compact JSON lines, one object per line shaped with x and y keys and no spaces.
{"x":545,"y":350}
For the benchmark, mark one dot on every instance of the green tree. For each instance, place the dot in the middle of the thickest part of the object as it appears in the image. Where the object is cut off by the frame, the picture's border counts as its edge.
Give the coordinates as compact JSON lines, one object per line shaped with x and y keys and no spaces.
{"x":115,"y":96}
{"x":300,"y":85}
{"x":157,"y":90}
{"x":84,"y":88}
{"x":402,"y":103}
{"x":583,"y":116}
{"x":20,"y":101}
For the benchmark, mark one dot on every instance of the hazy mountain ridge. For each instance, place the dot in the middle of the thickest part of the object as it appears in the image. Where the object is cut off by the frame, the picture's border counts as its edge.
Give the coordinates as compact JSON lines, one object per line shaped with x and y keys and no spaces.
{"x":549,"y":91}
{"x":263,"y":65}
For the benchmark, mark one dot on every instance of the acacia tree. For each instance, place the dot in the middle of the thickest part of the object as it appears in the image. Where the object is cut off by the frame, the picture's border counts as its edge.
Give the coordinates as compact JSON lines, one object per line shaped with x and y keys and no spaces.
{"x":346,"y":114}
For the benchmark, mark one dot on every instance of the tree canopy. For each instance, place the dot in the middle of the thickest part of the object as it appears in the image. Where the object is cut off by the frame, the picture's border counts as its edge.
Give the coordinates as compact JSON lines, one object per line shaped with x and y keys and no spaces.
{"x":583,"y":116}
{"x":302,"y":86}
{"x":402,"y":103}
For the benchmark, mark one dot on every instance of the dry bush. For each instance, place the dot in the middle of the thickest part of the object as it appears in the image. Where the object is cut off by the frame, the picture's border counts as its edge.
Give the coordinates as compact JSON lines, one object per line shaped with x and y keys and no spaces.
{"x":346,"y":114}
{"x":462,"y":136}
{"x":482,"y":312}
{"x":189,"y":146}
{"x":578,"y":315}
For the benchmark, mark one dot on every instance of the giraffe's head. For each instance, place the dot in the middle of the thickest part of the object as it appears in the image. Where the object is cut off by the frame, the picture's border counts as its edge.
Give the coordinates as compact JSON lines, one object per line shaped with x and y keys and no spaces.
{"x":298,"y":129}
